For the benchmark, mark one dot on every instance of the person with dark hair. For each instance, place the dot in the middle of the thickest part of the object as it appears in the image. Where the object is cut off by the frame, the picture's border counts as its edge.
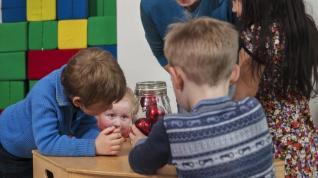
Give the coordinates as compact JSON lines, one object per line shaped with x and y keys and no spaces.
{"x":279,"y":63}
{"x":157,"y":15}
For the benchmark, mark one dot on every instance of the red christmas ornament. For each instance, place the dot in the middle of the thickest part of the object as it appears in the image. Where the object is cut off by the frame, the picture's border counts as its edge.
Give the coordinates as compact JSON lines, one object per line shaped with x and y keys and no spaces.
{"x":143,"y":125}
{"x":152,"y":114}
{"x":155,"y":113}
{"x":146,"y":101}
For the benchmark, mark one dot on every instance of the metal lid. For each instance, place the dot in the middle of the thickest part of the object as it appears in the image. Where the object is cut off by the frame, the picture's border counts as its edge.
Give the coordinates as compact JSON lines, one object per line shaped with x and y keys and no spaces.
{"x":151,"y":88}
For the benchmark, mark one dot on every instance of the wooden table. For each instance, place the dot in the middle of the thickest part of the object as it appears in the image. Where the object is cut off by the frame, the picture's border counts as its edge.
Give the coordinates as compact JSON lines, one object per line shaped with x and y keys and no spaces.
{"x":101,"y":166}
{"x":90,"y":167}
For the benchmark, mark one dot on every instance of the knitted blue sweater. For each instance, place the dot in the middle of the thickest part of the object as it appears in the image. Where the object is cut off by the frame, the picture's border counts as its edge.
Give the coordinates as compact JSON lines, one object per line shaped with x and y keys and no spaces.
{"x":46,"y":120}
{"x":219,"y":138}
{"x":157,"y":15}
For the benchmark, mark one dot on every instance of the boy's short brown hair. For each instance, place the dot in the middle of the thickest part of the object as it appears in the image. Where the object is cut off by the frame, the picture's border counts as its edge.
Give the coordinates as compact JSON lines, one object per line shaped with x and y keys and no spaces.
{"x":204,"y":48}
{"x":94,"y":76}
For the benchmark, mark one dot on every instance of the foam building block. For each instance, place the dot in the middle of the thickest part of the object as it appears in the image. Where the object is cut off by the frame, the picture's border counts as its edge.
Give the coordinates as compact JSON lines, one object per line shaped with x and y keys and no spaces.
{"x":43,"y":35}
{"x":32,"y":83}
{"x":72,"y":9}
{"x":102,"y":7}
{"x":11,"y":92}
{"x":12,"y":66}
{"x":110,"y":48}
{"x":0,"y":19}
{"x":72,"y":34}
{"x":13,"y":37}
{"x":102,"y":30}
{"x":13,"y":10}
{"x":41,"y":63}
{"x":41,"y":10}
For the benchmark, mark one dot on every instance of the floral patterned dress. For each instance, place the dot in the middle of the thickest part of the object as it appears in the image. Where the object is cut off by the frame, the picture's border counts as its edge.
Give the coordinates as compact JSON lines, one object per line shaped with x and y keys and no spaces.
{"x":295,"y":136}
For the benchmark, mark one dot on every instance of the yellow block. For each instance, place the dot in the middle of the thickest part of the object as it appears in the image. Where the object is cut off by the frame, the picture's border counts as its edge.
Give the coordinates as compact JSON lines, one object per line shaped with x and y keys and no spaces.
{"x":72,"y":34}
{"x":39,"y":10}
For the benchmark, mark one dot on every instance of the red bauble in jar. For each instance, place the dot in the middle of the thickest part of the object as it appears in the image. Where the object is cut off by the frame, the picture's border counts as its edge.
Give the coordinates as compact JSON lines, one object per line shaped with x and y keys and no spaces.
{"x":154,"y":113}
{"x":143,"y":125}
{"x":147,"y":101}
{"x":153,"y":100}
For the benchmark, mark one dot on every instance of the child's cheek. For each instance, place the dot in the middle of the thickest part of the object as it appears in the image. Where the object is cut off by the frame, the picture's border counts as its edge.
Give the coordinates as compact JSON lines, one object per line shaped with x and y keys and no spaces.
{"x":104,"y":123}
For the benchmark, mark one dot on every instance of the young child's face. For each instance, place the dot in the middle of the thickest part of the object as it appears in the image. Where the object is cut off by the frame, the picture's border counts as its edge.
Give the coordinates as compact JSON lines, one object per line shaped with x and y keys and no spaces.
{"x":118,"y":116}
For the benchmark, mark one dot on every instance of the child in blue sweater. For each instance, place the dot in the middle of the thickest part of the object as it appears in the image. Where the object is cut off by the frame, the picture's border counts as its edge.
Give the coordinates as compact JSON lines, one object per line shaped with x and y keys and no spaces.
{"x":57,"y":115}
{"x":219,"y":137}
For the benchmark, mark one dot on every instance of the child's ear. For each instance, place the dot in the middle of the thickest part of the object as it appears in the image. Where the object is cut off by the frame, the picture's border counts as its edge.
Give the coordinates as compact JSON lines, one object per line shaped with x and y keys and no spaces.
{"x":176,"y":78}
{"x":76,"y":100}
{"x":235,"y":74}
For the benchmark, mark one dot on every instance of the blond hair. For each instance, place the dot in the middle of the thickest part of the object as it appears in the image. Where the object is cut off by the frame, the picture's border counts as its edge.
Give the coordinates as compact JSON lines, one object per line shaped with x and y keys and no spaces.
{"x":94,"y":76}
{"x":204,"y":48}
{"x":131,"y":98}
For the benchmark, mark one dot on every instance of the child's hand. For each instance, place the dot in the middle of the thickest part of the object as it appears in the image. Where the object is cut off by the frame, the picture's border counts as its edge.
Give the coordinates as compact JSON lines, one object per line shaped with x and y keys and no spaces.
{"x":135,"y":135}
{"x":109,"y":142}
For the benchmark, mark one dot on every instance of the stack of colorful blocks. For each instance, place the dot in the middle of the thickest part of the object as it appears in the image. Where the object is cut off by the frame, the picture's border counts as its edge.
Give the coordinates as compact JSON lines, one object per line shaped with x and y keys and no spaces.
{"x":54,"y":31}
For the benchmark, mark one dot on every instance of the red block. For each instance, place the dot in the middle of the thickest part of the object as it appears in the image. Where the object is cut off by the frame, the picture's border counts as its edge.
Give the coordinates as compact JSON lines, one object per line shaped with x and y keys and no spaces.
{"x":41,"y":63}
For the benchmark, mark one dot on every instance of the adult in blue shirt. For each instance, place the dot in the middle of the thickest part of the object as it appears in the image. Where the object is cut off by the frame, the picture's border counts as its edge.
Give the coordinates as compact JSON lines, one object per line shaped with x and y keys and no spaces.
{"x":157,"y":15}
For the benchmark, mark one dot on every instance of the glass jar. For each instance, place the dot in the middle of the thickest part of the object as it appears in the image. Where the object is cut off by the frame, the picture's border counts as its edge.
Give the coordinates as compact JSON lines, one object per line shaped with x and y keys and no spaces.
{"x":153,"y":104}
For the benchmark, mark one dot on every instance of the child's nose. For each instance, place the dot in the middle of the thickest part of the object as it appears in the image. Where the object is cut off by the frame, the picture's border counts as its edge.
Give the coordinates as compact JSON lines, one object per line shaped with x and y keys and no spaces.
{"x":116,"y":122}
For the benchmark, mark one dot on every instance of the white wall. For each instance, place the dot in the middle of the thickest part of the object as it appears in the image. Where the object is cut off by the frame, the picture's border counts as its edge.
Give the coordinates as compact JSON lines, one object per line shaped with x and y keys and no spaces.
{"x":136,"y":59}
{"x":134,"y":54}
{"x":312,"y":8}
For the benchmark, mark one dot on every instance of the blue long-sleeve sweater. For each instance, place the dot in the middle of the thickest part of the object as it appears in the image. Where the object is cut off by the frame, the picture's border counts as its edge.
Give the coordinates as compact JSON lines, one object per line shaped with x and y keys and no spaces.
{"x":46,"y":120}
{"x":157,"y":15}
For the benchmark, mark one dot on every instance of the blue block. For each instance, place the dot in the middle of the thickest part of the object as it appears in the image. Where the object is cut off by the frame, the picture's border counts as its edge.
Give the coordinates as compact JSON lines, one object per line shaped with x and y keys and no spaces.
{"x":72,"y":9}
{"x":13,"y":4}
{"x":110,"y":48}
{"x":14,"y":14}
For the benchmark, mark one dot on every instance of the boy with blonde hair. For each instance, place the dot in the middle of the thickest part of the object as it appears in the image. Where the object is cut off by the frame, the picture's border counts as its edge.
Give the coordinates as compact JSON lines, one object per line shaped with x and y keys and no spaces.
{"x":218,"y":137}
{"x":57,"y":115}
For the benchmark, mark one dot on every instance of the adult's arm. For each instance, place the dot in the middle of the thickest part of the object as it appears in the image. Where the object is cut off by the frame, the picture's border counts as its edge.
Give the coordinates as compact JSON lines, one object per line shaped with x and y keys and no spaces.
{"x":153,"y":37}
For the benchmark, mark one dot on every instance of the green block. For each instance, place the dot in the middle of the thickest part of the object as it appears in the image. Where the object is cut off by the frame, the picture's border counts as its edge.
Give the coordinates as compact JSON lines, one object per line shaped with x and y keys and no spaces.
{"x":11,"y":92}
{"x":102,"y":30}
{"x":102,"y":7}
{"x":32,"y":83}
{"x":43,"y":35}
{"x":12,"y":66}
{"x":13,"y":37}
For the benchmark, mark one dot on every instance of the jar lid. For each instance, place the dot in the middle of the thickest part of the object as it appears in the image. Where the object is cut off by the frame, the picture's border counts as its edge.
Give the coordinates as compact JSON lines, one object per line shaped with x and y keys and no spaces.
{"x":151,"y":88}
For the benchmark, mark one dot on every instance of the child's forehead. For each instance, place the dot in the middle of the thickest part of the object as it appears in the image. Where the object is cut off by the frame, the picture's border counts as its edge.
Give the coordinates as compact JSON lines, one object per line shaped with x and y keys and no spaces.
{"x":121,"y":103}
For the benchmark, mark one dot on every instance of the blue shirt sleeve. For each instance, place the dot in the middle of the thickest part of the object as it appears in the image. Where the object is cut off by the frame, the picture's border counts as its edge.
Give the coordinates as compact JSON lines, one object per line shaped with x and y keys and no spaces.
{"x":153,"y":37}
{"x":148,"y":156}
{"x":87,"y":129}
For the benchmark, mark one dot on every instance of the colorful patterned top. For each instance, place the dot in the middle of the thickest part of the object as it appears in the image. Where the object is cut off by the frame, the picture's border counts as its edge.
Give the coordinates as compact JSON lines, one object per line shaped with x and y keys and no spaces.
{"x":295,"y":136}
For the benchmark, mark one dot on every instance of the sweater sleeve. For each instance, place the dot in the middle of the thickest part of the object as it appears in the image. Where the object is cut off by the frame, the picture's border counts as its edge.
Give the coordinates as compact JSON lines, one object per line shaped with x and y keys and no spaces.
{"x":154,"y":153}
{"x":46,"y":134}
{"x":87,"y":128}
{"x":153,"y":37}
